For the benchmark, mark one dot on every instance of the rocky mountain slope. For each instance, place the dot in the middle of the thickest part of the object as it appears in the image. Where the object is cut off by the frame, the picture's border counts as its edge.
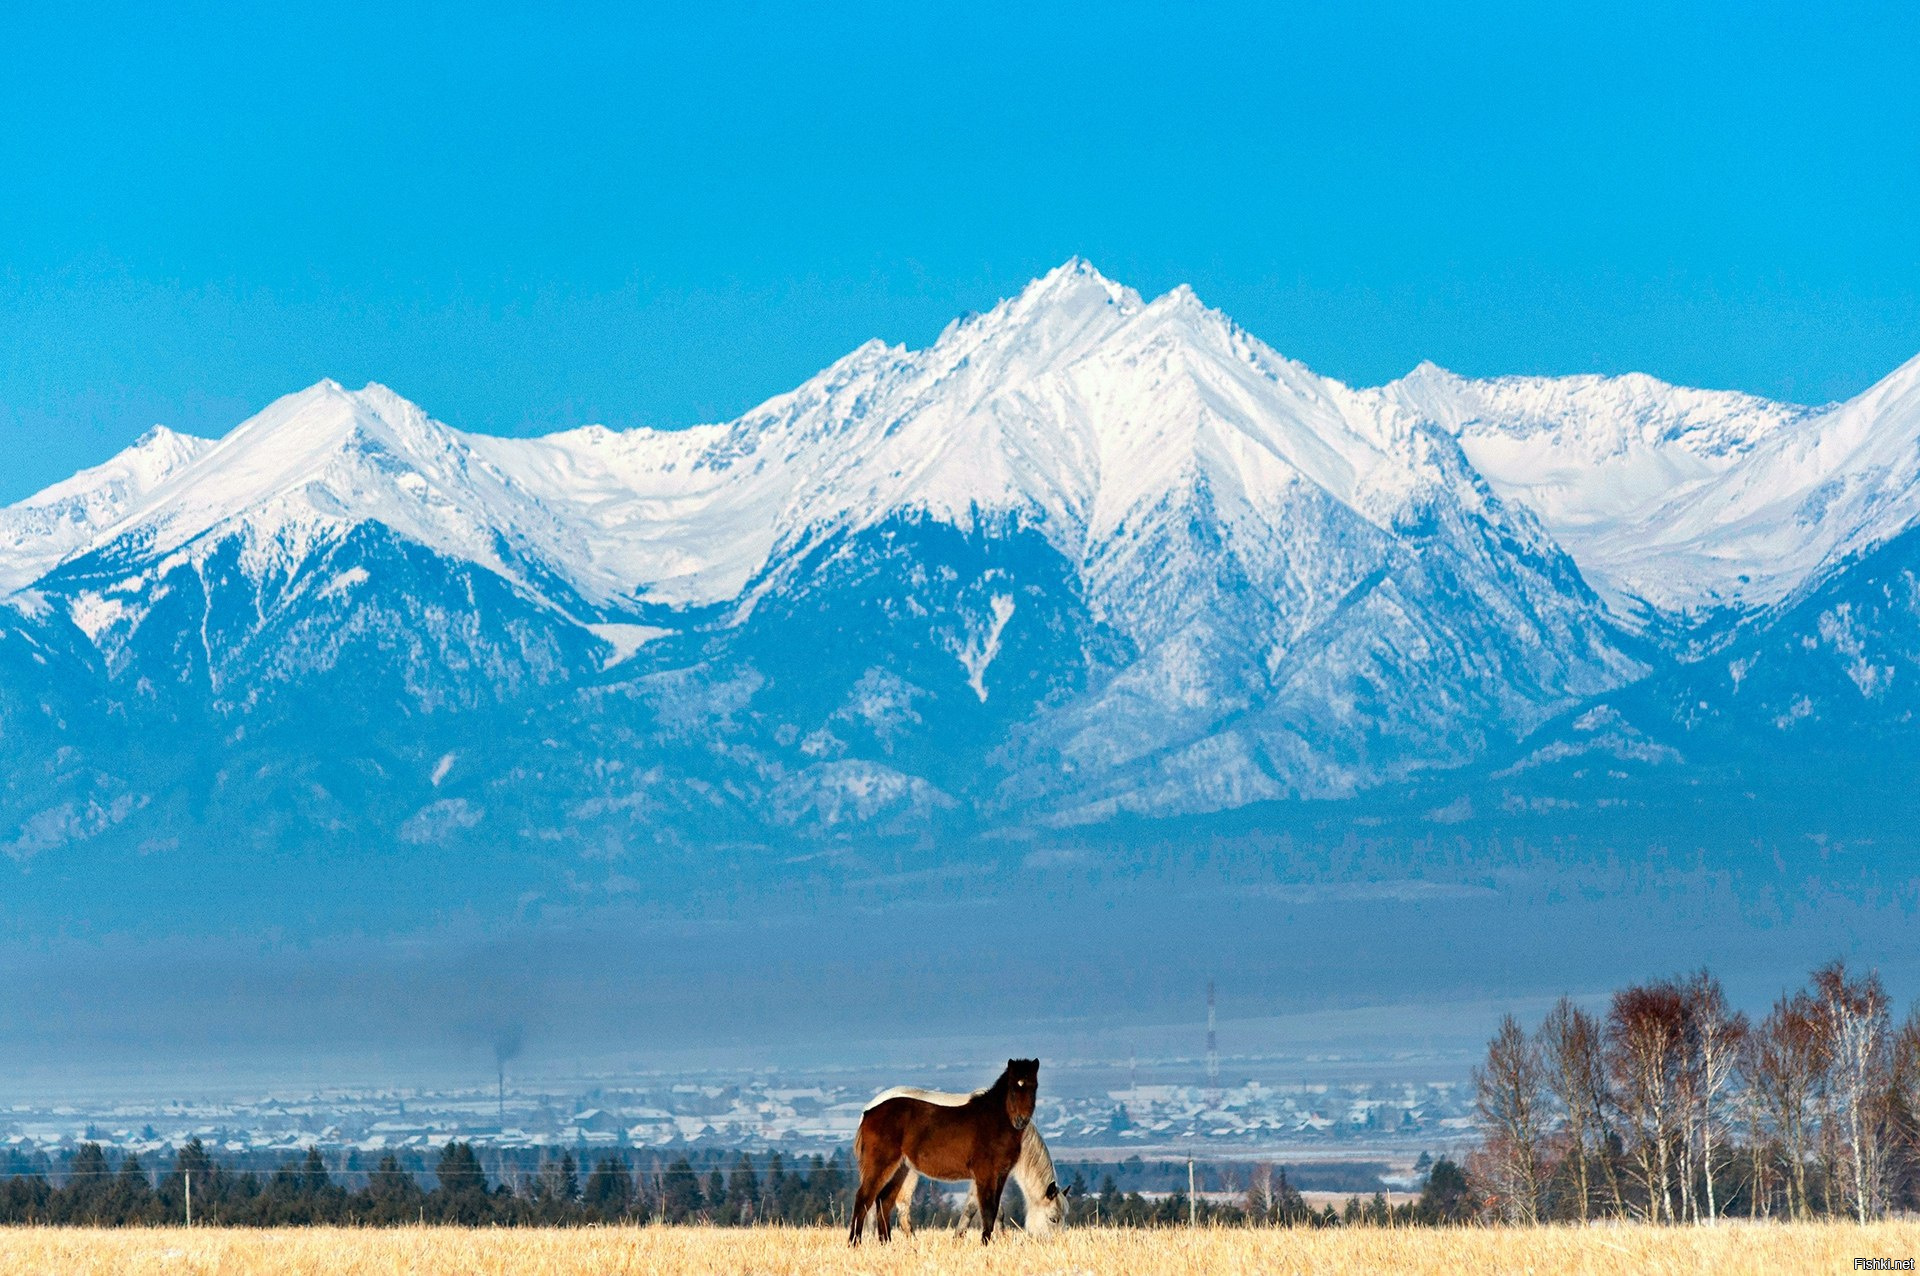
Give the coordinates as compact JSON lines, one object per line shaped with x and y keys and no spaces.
{"x":1085,"y":555}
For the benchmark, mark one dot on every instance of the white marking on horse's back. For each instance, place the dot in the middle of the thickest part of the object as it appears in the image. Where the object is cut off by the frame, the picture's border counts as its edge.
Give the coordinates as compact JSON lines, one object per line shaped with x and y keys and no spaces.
{"x":939,"y":1098}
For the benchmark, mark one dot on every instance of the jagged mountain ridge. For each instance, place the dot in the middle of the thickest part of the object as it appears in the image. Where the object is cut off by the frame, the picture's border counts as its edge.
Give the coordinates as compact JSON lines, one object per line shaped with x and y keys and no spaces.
{"x":1085,"y":554}
{"x":1689,"y":506}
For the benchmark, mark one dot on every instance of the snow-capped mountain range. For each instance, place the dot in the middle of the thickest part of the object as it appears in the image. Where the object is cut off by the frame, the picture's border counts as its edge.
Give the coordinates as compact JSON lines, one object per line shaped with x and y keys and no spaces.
{"x":1086,"y":554}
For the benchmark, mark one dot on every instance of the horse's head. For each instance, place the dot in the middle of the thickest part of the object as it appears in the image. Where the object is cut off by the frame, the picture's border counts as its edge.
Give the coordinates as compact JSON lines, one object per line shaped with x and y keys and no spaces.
{"x":1023,"y":1087}
{"x":1049,"y":1211}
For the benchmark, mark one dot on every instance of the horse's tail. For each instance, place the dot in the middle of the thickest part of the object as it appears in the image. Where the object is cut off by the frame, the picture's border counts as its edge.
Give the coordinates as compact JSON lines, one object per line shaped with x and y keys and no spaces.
{"x":862,"y":1140}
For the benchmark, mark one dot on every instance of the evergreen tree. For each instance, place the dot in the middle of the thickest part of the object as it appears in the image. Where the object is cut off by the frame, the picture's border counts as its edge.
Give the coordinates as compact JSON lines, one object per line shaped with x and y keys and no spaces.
{"x":461,"y":1196}
{"x":743,"y":1191}
{"x":829,"y":1195}
{"x":1107,"y":1209}
{"x":774,"y":1195}
{"x":314,"y":1179}
{"x":392,"y":1194}
{"x":609,"y":1193}
{"x":87,"y":1187}
{"x":132,"y":1194}
{"x":557,"y":1189}
{"x":680,"y":1192}
{"x":1447,"y":1196}
{"x":1078,"y":1204}
{"x":26,"y":1198}
{"x":211,"y":1185}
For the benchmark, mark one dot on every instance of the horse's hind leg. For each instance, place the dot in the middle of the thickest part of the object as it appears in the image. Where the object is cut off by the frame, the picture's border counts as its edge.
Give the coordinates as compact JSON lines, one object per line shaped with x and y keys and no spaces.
{"x":969,"y":1212}
{"x":876,"y":1170}
{"x":889,"y":1197}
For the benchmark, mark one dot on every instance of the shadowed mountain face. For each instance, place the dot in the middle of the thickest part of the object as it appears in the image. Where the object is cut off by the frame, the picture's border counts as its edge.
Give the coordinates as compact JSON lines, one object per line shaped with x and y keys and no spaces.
{"x":1087,"y":558}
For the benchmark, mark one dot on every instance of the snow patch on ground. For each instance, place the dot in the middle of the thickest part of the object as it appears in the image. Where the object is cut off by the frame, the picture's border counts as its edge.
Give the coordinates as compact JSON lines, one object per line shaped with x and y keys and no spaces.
{"x":625,"y":640}
{"x":980,"y":649}
{"x":344,"y":581}
{"x":93,"y":613}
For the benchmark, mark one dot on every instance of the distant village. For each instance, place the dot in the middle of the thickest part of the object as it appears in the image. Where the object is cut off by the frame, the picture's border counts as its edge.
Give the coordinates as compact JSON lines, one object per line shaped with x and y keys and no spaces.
{"x":754,"y":1114}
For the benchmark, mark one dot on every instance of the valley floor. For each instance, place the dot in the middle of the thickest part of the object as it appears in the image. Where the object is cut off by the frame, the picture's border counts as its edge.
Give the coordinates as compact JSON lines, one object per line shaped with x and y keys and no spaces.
{"x":668,"y":1251}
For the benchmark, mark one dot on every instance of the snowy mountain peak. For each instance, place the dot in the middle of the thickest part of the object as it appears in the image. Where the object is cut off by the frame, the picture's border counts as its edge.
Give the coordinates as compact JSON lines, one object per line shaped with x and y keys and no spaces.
{"x":1074,"y":406}
{"x":1074,"y":276}
{"x":161,"y":442}
{"x":1082,"y":553}
{"x":1056,"y":315}
{"x":323,"y":416}
{"x":68,"y":517}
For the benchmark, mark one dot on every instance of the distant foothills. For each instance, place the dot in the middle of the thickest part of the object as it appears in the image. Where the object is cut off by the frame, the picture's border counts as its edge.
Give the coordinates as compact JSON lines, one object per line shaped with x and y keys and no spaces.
{"x":1085,"y":559}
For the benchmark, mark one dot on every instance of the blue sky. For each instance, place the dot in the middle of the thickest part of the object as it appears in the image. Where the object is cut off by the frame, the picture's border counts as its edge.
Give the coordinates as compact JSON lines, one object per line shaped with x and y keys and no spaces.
{"x":657,"y":217}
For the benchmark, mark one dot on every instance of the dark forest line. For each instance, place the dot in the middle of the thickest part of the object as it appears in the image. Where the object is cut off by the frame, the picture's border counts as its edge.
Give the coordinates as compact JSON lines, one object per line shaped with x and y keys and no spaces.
{"x":96,"y":1188}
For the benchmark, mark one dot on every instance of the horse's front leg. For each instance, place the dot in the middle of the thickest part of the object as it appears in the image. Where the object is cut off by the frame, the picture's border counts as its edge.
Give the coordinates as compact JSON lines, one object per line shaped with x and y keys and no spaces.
{"x":989,"y":1190}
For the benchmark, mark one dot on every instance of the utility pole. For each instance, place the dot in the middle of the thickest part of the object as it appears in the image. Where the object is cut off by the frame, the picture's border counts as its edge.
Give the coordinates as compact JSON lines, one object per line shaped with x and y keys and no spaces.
{"x":1193,"y":1202}
{"x":188,"y":1174}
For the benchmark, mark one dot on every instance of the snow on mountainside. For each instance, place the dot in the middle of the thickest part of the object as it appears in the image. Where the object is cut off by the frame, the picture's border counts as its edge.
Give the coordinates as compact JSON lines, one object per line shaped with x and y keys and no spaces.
{"x":1685,"y":503}
{"x":1835,"y":485}
{"x":1590,"y":455}
{"x":1083,"y":554}
{"x":315,"y":464}
{"x":62,"y":520}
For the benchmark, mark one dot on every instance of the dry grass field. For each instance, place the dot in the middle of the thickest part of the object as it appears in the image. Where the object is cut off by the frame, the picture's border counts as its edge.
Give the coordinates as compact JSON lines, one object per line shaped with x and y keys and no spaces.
{"x":437,"y":1251}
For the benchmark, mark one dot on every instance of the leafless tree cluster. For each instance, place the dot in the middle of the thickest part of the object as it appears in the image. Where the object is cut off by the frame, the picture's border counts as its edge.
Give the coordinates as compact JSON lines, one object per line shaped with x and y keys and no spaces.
{"x":1672,"y":1107}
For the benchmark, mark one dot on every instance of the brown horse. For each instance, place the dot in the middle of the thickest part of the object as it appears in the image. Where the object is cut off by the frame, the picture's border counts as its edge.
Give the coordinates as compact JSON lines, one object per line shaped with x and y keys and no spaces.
{"x":978,"y":1139}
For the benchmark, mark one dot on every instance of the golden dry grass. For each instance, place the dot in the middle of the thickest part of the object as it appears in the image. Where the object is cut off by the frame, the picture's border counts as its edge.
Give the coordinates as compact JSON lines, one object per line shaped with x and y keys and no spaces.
{"x":673,"y":1251}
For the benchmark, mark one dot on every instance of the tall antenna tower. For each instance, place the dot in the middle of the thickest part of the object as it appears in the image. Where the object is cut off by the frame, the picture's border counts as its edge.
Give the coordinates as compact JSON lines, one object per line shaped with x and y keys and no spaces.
{"x":1213,"y":1046}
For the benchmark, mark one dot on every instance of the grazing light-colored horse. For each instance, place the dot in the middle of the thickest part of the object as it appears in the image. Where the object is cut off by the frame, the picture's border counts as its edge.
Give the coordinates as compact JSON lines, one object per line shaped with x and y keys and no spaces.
{"x":1039,"y":1188}
{"x":978,"y":1137}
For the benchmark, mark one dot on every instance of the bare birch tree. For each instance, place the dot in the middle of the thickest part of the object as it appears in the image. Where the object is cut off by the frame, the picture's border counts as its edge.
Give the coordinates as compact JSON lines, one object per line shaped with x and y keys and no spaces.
{"x":1260,"y":1192}
{"x":1510,"y":1100}
{"x":1646,"y":1029}
{"x":1716,"y":1034}
{"x":1759,"y":1138}
{"x":1789,"y":1064}
{"x":1570,"y":1050}
{"x":1903,"y":1111}
{"x":1854,"y":1014}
